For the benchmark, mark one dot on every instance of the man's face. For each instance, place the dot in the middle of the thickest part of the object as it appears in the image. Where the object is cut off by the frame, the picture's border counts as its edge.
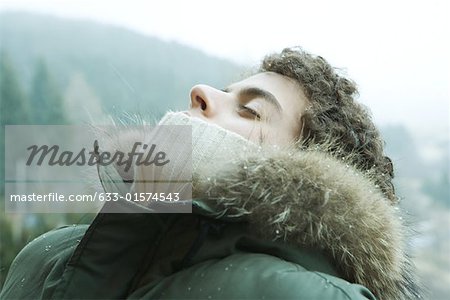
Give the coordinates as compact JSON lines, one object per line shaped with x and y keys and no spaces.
{"x":264,"y":108}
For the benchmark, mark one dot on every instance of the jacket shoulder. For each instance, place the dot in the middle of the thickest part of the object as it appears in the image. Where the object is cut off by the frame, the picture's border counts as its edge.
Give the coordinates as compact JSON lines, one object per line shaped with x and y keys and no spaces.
{"x":255,"y":276}
{"x":41,"y":261}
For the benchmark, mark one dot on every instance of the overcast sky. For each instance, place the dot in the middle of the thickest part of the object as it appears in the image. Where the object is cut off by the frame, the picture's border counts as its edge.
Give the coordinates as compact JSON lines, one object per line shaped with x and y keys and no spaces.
{"x":397,"y":51}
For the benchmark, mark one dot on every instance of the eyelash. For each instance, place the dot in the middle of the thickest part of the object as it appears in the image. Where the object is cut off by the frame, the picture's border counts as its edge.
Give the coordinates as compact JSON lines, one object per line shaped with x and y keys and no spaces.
{"x":251,"y":111}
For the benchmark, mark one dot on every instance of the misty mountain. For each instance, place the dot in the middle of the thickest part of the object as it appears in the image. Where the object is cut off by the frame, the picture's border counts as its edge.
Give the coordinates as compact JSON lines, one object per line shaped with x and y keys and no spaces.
{"x":124,"y":70}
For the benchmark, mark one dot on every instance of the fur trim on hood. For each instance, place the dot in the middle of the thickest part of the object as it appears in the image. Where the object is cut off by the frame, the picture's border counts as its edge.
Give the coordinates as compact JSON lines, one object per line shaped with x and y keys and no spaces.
{"x":309,"y":198}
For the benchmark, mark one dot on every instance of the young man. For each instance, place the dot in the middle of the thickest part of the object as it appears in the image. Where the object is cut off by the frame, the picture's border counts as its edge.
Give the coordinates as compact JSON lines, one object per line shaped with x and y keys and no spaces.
{"x":314,"y":217}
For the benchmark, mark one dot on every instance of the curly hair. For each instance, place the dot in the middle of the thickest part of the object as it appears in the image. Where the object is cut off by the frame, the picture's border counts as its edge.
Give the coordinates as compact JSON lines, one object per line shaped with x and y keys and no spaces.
{"x":334,"y":115}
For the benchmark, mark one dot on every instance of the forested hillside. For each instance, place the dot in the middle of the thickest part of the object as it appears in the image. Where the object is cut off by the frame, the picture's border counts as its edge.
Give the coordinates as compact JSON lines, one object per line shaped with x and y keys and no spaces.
{"x":121,"y":69}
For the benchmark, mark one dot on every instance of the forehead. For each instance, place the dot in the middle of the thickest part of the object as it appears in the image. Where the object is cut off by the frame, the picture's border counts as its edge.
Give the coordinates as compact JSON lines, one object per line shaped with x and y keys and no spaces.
{"x":288,"y":92}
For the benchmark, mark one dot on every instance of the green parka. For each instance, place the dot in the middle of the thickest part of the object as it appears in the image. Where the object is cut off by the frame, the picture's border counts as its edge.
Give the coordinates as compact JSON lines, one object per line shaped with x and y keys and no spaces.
{"x":317,"y":229}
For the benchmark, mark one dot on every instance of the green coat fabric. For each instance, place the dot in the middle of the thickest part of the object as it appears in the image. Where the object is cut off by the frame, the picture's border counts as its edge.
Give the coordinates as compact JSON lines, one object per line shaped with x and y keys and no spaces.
{"x":140,"y":255}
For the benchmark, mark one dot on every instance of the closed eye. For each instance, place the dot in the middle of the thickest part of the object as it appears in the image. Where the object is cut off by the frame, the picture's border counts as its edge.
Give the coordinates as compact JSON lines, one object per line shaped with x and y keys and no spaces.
{"x":251,"y":111}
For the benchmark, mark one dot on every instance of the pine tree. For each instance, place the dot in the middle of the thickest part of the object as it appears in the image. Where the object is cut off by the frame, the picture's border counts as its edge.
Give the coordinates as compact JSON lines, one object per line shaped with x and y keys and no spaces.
{"x":14,"y":107}
{"x":46,"y":102}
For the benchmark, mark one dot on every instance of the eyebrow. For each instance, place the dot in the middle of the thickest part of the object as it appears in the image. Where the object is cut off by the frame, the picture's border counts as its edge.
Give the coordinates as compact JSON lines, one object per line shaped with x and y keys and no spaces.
{"x":255,"y":92}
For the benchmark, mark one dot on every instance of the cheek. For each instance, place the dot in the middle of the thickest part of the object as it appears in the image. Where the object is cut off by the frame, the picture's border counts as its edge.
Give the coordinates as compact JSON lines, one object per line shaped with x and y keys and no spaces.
{"x":279,"y":135}
{"x":247,"y":129}
{"x":287,"y":135}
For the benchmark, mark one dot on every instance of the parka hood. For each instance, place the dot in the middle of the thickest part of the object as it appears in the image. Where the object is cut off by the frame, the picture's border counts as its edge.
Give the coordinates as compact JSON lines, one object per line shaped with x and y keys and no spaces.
{"x":311,"y":199}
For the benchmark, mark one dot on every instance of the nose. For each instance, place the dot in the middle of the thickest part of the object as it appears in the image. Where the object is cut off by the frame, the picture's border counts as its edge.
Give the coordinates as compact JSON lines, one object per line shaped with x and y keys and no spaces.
{"x":206,"y":100}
